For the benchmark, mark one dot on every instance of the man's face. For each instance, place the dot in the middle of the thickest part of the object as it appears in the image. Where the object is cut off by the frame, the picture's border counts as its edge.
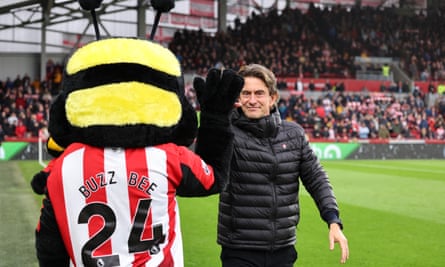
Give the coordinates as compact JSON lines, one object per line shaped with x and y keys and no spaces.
{"x":255,"y":99}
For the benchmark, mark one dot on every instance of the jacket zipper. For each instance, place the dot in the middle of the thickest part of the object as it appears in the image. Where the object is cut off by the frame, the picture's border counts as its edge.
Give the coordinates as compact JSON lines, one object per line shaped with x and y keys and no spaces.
{"x":272,"y":179}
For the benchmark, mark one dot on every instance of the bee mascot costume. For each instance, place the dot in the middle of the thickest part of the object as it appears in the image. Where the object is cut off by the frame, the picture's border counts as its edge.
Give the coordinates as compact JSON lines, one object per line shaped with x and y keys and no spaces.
{"x":124,"y":124}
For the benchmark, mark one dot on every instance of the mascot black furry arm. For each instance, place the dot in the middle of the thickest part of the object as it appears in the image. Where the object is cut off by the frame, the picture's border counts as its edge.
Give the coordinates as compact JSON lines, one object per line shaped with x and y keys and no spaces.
{"x":124,"y":123}
{"x":216,"y":96}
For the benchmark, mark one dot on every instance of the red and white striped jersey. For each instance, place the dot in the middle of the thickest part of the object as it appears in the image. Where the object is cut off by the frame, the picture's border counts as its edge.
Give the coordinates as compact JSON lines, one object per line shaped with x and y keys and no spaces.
{"x":117,"y":207}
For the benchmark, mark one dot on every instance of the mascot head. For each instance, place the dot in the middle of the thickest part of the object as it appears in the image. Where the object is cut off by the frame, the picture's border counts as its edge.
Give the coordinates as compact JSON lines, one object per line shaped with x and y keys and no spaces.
{"x":122,"y":92}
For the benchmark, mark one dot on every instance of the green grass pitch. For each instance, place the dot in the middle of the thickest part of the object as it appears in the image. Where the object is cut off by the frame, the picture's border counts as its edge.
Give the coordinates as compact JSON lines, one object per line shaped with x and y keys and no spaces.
{"x":393,"y":212}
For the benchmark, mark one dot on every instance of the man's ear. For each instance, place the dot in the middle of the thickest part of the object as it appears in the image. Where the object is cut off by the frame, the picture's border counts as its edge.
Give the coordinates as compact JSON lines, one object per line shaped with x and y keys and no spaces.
{"x":274,"y":101}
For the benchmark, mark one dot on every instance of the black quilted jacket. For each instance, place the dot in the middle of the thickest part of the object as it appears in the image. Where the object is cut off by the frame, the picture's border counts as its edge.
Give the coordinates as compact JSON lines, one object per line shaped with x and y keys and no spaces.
{"x":259,"y":207}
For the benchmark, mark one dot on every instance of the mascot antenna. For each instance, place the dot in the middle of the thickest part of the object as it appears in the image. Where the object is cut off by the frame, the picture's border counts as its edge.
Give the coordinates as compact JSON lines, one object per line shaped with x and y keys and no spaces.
{"x":160,"y":6}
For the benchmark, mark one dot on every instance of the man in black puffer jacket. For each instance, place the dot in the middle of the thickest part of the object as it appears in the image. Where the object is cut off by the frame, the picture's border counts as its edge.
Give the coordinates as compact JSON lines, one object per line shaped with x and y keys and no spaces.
{"x":259,"y":207}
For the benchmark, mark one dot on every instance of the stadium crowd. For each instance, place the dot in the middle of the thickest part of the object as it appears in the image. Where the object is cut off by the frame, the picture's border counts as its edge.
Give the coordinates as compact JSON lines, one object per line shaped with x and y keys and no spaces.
{"x":322,"y":42}
{"x":24,"y":103}
{"x":318,"y":43}
{"x":344,"y":116}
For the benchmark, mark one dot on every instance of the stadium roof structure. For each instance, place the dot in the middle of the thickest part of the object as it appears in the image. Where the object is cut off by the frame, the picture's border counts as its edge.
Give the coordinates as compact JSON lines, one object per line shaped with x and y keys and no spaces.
{"x":27,"y":22}
{"x":60,"y":26}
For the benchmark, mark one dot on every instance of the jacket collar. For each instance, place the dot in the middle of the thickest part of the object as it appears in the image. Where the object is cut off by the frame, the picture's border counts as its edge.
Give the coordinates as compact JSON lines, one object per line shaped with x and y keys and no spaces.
{"x":264,"y":127}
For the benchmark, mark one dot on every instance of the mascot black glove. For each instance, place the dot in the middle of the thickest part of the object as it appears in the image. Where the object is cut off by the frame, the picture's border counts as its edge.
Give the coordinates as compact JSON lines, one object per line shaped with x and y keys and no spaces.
{"x":217,"y":94}
{"x":38,"y":182}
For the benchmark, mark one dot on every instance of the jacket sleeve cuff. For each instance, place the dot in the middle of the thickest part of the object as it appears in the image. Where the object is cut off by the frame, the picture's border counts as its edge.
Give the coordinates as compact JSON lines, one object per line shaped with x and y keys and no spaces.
{"x":332,"y":217}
